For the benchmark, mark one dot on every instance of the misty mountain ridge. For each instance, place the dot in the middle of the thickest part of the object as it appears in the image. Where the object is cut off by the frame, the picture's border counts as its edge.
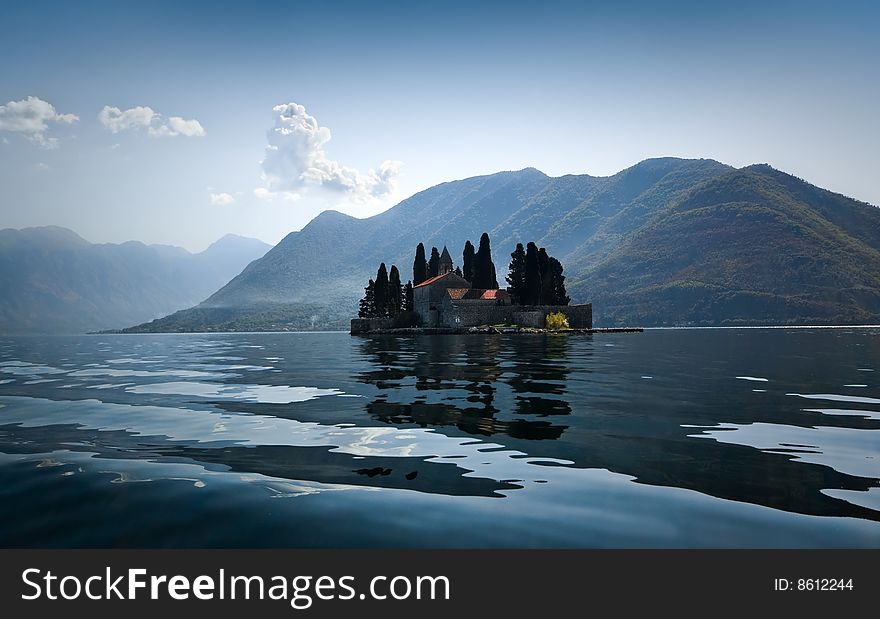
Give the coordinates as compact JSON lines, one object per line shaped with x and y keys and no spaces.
{"x":667,"y":241}
{"x":54,"y":281}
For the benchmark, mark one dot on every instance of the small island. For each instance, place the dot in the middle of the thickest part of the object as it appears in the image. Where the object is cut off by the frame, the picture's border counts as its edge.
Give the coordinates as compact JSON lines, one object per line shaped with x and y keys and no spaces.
{"x":444,"y":299}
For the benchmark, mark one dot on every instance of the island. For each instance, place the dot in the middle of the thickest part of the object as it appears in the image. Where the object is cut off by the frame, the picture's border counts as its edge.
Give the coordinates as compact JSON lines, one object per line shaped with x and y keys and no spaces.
{"x":442,"y":298}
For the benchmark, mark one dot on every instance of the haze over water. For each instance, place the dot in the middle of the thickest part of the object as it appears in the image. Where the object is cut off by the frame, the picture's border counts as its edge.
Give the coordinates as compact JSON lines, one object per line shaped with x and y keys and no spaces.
{"x":667,"y":438}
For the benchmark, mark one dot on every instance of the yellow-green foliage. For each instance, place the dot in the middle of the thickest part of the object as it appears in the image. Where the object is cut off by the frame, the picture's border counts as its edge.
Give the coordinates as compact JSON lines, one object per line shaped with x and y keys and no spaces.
{"x":557,"y":321}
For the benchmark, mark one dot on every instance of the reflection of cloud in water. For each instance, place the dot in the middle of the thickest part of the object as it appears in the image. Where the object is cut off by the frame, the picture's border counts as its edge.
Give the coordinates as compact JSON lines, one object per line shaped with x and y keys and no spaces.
{"x":49,"y":462}
{"x":146,"y":373}
{"x":125,"y":477}
{"x":286,"y":490}
{"x":847,"y":412}
{"x":192,"y":428}
{"x":103,"y":386}
{"x":375,"y":441}
{"x":869,"y":499}
{"x":23,"y":368}
{"x":199,"y":426}
{"x":842,"y":449}
{"x":836,"y":398}
{"x":263,"y":394}
{"x":132,"y":361}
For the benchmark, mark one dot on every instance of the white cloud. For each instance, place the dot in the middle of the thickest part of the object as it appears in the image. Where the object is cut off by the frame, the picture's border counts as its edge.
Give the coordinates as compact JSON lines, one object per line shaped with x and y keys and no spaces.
{"x":143,"y":117}
{"x":31,"y":117}
{"x":222,"y":198}
{"x":189,"y":128}
{"x":386,"y":177}
{"x":295,"y":160}
{"x":117,"y":120}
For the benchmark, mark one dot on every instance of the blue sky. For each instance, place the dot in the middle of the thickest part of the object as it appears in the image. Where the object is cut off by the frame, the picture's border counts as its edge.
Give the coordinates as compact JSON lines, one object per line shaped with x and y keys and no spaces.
{"x":393,"y":97}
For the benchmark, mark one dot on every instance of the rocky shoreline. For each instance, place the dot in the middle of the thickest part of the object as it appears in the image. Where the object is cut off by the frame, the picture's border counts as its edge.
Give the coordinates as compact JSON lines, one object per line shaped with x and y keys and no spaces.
{"x":491,"y":330}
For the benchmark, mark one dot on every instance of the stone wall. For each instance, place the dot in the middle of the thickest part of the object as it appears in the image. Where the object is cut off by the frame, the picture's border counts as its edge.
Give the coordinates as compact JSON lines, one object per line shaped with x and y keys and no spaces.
{"x":533,"y":318}
{"x":579,"y":316}
{"x":471,"y":313}
{"x":422,"y":304}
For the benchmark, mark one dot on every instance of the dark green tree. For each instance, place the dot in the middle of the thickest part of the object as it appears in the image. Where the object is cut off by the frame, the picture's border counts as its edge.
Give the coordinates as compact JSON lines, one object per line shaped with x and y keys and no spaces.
{"x":458,"y":271}
{"x":468,"y":262}
{"x":395,"y":292}
{"x":559,"y":295}
{"x":546,"y":297}
{"x":516,"y":276}
{"x":381,"y":292}
{"x":484,"y":268}
{"x":420,"y":266}
{"x":367,"y":305}
{"x":408,"y":297}
{"x":532,"y":276}
{"x":434,"y":263}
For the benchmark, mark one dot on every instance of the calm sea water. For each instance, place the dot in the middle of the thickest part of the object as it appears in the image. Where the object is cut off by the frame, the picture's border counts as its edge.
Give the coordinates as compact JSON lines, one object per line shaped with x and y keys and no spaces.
{"x":670,"y":438}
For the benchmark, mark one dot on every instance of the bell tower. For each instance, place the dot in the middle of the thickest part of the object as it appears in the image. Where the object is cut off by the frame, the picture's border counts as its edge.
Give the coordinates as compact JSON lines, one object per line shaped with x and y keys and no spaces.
{"x":445,"y":262}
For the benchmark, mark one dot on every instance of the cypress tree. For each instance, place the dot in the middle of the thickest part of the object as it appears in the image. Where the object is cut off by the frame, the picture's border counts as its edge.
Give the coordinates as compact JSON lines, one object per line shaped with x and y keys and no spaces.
{"x":560,"y":297}
{"x":458,"y":271}
{"x":484,"y":269}
{"x":367,"y":305}
{"x":434,"y":263}
{"x":395,"y":292}
{"x":516,"y":276}
{"x":477,"y":271}
{"x":381,"y":295}
{"x":468,"y":262}
{"x":420,"y":266}
{"x":546,"y":278}
{"x":532,"y":276}
{"x":408,"y":297}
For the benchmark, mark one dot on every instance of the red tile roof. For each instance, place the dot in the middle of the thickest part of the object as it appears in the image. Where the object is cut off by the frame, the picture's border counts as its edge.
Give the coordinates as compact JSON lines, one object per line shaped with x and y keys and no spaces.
{"x":457,"y":293}
{"x":495,"y":294}
{"x":427,"y":282}
{"x":473,"y":294}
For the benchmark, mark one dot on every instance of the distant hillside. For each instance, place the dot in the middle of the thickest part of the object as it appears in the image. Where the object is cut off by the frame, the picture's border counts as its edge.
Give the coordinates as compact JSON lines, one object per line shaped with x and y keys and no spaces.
{"x":752,"y":246}
{"x":667,"y":241}
{"x":54,"y":281}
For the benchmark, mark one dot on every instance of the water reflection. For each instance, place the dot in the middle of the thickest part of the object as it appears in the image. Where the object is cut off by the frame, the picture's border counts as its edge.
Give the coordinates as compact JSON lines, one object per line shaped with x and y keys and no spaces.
{"x":519,"y":386}
{"x":466,"y":374}
{"x":301,"y":462}
{"x":567,"y":438}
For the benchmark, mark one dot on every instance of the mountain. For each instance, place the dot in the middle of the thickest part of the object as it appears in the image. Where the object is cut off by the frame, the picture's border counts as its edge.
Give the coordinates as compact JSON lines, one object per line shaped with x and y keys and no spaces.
{"x":666,"y":242}
{"x":752,"y":246}
{"x":54,"y":281}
